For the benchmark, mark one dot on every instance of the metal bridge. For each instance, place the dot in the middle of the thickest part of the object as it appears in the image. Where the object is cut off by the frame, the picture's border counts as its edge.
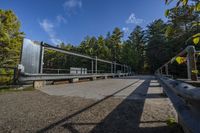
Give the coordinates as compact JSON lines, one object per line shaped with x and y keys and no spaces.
{"x":185,"y":97}
{"x":31,"y":66}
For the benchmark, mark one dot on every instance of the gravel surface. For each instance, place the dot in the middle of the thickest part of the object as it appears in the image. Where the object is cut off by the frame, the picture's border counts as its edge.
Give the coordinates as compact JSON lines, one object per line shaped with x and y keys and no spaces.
{"x":144,"y":110}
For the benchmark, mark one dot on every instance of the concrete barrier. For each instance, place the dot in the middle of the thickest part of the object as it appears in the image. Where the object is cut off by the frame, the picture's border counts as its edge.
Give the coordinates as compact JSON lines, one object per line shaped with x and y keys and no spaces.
{"x":39,"y":84}
{"x":74,"y":80}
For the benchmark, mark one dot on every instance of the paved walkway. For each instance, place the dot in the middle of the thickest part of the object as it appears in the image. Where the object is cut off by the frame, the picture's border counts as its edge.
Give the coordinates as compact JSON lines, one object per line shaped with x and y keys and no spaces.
{"x":120,"y":88}
{"x":128,"y":105}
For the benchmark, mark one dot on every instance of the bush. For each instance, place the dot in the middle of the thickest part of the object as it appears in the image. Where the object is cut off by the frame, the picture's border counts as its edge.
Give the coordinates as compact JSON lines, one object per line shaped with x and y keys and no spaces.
{"x":6,"y":76}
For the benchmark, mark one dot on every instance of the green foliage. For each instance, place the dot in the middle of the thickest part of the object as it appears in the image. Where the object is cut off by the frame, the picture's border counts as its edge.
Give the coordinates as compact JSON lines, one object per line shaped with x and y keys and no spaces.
{"x":10,"y":38}
{"x":184,"y":17}
{"x":136,"y":46}
{"x":171,"y":121}
{"x":157,"y":50}
{"x":10,"y":43}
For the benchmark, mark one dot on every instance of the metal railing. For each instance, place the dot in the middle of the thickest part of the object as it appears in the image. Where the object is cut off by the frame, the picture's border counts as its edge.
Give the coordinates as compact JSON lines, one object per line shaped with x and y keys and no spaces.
{"x":191,"y":63}
{"x":184,"y":97}
{"x":94,"y":60}
{"x":32,"y":66}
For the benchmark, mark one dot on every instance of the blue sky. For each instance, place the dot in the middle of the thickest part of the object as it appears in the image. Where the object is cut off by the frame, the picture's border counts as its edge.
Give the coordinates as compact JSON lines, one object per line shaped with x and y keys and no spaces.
{"x":70,"y":21}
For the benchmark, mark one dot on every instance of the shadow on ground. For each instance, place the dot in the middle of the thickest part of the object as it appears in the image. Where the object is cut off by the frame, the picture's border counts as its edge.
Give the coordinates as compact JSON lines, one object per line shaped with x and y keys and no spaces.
{"x":125,"y":118}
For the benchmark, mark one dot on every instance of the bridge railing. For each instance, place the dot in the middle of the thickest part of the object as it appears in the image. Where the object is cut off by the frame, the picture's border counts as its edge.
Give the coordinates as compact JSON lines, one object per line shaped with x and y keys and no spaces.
{"x":32,"y":66}
{"x":184,"y":96}
{"x":188,"y":56}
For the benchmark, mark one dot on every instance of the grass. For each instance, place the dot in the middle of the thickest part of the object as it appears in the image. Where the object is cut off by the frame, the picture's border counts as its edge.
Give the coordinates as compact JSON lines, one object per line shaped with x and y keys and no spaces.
{"x":9,"y":89}
{"x":171,"y":121}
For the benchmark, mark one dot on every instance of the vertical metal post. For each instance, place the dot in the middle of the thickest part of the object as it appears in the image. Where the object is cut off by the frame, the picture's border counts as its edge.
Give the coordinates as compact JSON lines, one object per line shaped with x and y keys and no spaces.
{"x":41,"y":59}
{"x":191,"y":64}
{"x":92,"y":66}
{"x":166,"y":70}
{"x":111,"y":67}
{"x":96,"y":64}
{"x":161,"y":71}
{"x":115,"y":67}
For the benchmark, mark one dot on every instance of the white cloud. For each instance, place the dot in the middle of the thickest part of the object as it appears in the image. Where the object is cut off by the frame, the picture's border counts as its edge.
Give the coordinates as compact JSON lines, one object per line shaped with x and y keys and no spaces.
{"x":125,"y":29}
{"x":48,"y":27}
{"x":71,"y":4}
{"x":55,"y":41}
{"x":61,"y":19}
{"x":133,"y":20}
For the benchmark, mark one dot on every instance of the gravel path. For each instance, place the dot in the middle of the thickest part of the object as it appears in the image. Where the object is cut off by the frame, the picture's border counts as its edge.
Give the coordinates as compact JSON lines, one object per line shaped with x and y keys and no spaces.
{"x":142,"y":110}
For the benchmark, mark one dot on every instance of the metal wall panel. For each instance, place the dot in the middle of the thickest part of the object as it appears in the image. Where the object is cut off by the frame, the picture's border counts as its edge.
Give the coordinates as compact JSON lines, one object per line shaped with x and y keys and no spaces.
{"x":31,"y":56}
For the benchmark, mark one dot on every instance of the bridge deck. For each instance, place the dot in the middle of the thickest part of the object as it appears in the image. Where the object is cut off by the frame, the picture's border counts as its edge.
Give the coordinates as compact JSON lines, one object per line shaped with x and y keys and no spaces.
{"x":133,"y":104}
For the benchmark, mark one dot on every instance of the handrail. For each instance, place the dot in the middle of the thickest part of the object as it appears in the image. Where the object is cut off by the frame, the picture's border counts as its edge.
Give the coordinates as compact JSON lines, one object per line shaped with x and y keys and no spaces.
{"x":190,"y":53}
{"x":185,"y":99}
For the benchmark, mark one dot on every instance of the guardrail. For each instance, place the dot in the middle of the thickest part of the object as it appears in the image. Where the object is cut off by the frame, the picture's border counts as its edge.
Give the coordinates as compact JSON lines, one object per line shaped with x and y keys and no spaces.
{"x":185,"y":99}
{"x":190,"y":54}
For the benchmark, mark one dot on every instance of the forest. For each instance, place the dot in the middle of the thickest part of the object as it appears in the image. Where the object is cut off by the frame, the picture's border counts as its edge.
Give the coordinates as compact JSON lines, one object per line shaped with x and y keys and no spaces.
{"x":145,"y":49}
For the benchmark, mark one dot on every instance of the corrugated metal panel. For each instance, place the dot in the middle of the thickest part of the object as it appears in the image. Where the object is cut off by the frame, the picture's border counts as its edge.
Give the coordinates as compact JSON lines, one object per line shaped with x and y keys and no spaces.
{"x":31,"y":56}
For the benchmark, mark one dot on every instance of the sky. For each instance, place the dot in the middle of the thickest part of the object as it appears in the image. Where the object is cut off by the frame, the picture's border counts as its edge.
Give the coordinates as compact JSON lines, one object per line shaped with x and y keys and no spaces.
{"x":70,"y":21}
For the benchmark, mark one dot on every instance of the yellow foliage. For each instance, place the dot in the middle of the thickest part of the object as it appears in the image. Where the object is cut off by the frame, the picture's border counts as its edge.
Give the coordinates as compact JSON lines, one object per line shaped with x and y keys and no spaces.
{"x":184,"y":2}
{"x":196,"y":38}
{"x":195,"y":71}
{"x":198,"y":7}
{"x":180,"y":60}
{"x":166,"y":13}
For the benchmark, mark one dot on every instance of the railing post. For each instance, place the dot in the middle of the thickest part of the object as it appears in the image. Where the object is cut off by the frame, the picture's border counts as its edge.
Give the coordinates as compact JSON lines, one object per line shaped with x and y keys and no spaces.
{"x":96,"y":64}
{"x":161,"y":71}
{"x":166,"y":70}
{"x":92,"y":66}
{"x":111,"y":67}
{"x":41,"y":59}
{"x":191,"y":64}
{"x":115,"y":67}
